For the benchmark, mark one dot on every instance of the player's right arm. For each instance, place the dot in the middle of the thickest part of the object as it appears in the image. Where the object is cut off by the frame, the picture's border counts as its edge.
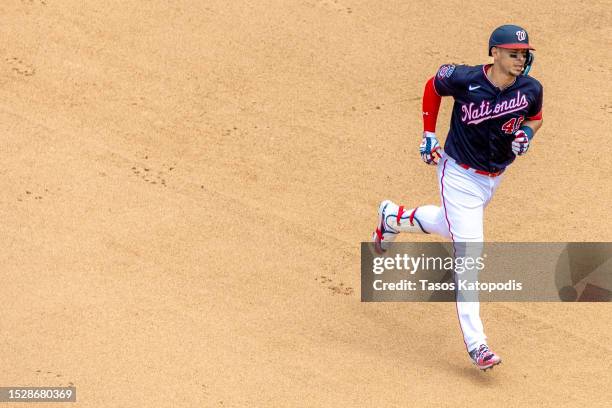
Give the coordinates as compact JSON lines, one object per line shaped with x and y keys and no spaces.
{"x":448,"y":81}
{"x":430,"y":147}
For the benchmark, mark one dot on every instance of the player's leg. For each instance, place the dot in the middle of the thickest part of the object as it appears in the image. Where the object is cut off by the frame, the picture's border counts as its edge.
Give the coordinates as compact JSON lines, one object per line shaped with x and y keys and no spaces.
{"x":462,"y":207}
{"x":464,"y":196}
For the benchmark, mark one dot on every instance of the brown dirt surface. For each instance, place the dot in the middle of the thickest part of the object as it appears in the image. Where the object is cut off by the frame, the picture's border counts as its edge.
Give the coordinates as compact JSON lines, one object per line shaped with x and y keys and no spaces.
{"x":186,"y":183}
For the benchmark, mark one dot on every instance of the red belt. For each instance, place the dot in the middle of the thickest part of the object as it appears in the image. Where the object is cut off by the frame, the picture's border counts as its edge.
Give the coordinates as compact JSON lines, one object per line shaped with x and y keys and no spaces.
{"x":484,"y":173}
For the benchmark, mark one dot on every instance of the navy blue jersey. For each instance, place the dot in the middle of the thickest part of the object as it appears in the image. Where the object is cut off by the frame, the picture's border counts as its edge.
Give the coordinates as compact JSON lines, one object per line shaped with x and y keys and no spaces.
{"x":484,"y":117}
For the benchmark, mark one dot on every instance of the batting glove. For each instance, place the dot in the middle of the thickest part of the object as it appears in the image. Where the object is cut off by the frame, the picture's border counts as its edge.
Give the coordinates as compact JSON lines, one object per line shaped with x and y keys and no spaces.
{"x":430,"y":148}
{"x":520,"y":144}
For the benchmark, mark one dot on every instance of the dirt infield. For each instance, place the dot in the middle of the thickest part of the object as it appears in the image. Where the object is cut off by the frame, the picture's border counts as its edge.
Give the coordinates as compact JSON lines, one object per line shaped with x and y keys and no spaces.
{"x":185,"y":186}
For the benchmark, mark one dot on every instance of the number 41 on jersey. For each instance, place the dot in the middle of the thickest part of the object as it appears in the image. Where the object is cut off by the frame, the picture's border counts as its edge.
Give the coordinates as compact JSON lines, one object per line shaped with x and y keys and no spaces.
{"x":513,"y":125}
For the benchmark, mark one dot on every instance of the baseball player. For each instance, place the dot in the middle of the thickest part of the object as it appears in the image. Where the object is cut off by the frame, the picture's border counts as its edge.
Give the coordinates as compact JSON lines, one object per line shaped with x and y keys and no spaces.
{"x":497,"y":111}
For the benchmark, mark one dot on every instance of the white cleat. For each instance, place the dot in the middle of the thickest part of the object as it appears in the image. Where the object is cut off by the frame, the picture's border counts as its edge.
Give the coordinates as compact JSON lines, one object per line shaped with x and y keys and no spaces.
{"x":385,"y":234}
{"x":484,"y":358}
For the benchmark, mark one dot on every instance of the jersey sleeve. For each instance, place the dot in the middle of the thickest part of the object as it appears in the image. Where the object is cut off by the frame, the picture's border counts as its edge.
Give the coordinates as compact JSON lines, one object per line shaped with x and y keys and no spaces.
{"x":450,"y":79}
{"x":431,"y":106}
{"x":535,"y":110}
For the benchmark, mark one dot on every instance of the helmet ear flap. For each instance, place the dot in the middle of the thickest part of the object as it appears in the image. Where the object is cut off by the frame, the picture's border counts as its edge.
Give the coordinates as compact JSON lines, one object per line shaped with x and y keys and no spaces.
{"x":528,"y":62}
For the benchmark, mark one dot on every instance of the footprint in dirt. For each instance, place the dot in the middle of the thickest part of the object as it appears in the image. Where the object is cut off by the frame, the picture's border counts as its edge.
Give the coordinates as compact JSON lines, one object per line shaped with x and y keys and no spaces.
{"x":35,"y":2}
{"x":335,"y":288}
{"x":153,"y":176}
{"x":20,"y":67}
{"x":335,"y":5}
{"x":53,"y":379}
{"x":30,"y":195}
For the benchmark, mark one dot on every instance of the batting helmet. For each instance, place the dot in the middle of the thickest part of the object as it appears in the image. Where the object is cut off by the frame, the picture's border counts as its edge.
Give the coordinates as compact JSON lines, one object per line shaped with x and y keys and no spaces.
{"x":509,"y":36}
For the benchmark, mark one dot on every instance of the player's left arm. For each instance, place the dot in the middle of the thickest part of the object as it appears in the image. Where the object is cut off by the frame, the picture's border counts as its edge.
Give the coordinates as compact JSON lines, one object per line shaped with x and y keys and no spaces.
{"x":523,"y":136}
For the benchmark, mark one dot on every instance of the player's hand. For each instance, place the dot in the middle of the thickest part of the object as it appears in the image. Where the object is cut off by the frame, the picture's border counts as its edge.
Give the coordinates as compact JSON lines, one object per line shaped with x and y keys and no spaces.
{"x":430,"y":148}
{"x":520,"y":144}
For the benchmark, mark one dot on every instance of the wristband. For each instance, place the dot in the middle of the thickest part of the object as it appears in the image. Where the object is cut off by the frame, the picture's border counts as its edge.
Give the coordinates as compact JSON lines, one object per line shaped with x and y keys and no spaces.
{"x":528,"y":131}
